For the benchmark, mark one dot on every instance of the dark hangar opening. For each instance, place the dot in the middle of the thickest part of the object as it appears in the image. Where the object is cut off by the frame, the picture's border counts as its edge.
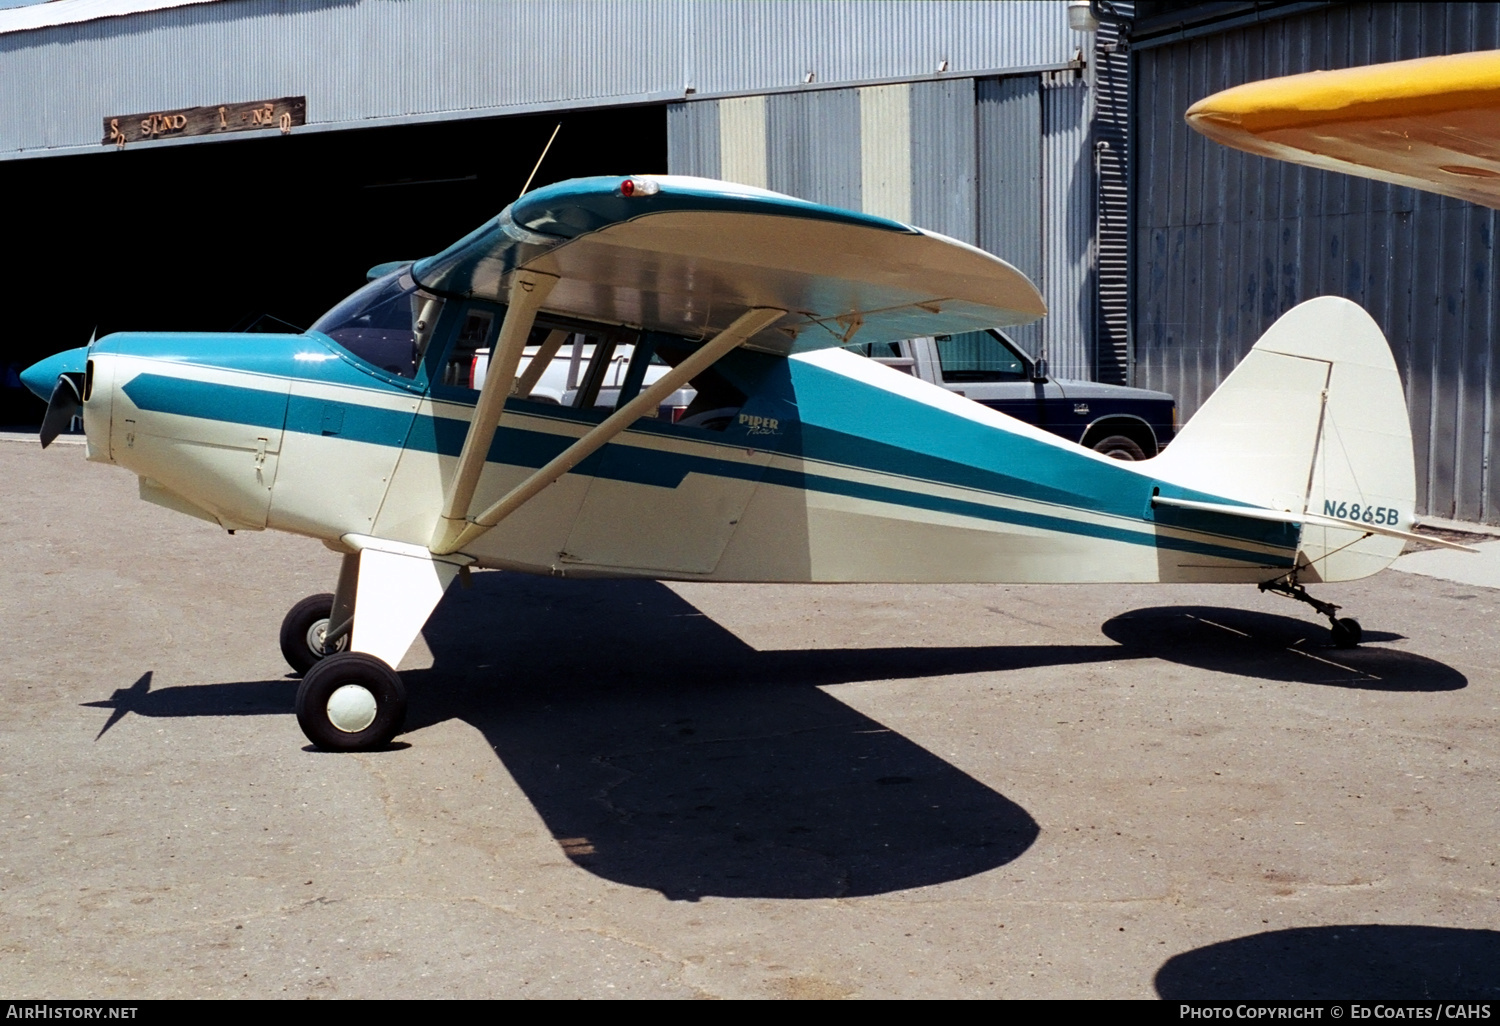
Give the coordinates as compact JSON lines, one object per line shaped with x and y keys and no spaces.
{"x":204,"y":237}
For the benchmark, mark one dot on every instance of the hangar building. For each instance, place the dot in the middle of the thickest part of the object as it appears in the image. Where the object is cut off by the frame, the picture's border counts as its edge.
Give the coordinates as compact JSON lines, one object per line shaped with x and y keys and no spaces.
{"x":1224,"y":242}
{"x":372,"y":130}
{"x":409,"y":122}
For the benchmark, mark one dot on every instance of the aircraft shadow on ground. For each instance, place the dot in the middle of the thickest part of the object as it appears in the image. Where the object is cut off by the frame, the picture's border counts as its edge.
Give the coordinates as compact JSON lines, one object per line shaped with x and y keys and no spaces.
{"x":1273,"y":647}
{"x":1368,"y":963}
{"x":663,"y":752}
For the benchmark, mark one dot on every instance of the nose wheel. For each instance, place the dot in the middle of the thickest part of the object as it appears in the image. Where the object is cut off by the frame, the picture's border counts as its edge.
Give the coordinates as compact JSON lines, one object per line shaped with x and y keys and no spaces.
{"x":304,"y":633}
{"x":351,"y":702}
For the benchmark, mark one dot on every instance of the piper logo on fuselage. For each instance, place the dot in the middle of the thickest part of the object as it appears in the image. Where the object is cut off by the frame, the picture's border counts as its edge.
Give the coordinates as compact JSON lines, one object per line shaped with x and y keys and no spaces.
{"x":760,"y":425}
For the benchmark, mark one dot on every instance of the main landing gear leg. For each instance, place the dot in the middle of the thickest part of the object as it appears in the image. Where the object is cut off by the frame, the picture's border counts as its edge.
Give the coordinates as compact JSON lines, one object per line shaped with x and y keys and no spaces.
{"x":1345,"y":630}
{"x":354,"y":700}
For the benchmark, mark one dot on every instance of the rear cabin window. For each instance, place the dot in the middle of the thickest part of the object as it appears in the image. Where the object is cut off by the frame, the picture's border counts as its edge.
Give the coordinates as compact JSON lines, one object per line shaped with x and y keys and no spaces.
{"x":717,"y":401}
{"x":892,"y":354}
{"x":462,"y":368}
{"x":579,"y":368}
{"x":978,"y":356}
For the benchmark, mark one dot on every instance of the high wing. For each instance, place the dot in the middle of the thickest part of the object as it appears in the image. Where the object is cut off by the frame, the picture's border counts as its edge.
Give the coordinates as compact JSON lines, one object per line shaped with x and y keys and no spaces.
{"x":1431,"y":123}
{"x":724,"y":263}
{"x":690,"y":256}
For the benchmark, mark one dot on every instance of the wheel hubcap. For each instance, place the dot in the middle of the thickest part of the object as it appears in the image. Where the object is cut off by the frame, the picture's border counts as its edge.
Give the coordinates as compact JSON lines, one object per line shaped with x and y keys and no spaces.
{"x":351,"y":708}
{"x":315,"y":635}
{"x":317,"y":639}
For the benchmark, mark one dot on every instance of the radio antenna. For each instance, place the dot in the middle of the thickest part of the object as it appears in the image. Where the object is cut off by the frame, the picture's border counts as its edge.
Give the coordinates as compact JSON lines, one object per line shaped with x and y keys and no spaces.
{"x":540,"y":159}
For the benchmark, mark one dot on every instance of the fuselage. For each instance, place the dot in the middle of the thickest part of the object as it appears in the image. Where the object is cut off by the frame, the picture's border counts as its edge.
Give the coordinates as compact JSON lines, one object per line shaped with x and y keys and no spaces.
{"x":833,"y":468}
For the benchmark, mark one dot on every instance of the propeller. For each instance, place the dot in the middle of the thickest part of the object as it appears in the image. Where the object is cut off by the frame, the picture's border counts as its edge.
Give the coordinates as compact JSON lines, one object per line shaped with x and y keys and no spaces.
{"x":65,"y":404}
{"x":67,"y":391}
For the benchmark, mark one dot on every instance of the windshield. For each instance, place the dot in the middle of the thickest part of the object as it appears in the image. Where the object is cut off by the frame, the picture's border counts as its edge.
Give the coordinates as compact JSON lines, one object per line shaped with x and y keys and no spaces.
{"x":388,"y":323}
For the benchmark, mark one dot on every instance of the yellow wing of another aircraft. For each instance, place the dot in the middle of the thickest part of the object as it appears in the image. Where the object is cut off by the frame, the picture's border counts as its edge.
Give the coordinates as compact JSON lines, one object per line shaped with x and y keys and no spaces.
{"x":1431,"y":123}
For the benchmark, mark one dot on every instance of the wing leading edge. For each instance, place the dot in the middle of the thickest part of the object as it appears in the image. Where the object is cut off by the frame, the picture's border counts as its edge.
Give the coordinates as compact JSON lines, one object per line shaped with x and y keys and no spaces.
{"x":1431,"y":123}
{"x":690,"y":255}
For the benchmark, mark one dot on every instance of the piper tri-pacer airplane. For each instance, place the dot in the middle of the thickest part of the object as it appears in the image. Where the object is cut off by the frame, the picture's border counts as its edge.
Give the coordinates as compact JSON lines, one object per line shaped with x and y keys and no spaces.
{"x":797,"y":461}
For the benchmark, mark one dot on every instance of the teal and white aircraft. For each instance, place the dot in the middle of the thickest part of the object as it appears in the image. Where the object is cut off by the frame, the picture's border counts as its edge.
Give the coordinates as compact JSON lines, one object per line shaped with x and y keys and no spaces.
{"x":798,"y":460}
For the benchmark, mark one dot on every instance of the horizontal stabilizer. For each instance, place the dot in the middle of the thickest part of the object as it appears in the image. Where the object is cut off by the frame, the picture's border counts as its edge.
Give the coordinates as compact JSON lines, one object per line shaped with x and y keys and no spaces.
{"x":1313,"y":519}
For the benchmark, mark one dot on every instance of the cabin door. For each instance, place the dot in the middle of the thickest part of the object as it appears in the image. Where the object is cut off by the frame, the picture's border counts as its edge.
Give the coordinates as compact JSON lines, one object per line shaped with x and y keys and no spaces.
{"x":669,"y":500}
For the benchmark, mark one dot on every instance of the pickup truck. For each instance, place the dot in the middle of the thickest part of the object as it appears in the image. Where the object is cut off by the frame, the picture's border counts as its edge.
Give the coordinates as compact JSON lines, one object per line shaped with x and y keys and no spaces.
{"x":987,"y":367}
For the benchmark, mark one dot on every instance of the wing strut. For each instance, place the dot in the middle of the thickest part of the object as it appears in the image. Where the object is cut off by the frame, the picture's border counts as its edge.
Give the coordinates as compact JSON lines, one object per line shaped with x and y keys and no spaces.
{"x":746,"y":325}
{"x":539,"y":363}
{"x":528,"y":291}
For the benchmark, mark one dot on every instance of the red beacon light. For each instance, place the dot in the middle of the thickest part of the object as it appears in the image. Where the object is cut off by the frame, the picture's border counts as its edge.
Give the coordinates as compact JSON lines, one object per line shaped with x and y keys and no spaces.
{"x":639,"y":187}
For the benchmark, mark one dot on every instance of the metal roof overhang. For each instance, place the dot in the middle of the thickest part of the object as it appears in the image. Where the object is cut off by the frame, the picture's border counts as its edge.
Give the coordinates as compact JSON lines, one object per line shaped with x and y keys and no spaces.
{"x":66,"y":66}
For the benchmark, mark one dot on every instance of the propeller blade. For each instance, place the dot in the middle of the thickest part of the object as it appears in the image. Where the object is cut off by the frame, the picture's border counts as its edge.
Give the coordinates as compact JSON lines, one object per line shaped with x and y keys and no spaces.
{"x":66,"y":403}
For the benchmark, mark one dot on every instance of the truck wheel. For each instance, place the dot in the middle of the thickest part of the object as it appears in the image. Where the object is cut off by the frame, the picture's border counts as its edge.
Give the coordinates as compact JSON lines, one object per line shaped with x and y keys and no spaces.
{"x":1118,"y":447}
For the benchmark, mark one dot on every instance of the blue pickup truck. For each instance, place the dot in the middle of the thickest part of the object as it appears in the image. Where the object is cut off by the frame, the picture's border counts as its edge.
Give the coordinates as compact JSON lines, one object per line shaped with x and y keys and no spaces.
{"x":987,"y":367}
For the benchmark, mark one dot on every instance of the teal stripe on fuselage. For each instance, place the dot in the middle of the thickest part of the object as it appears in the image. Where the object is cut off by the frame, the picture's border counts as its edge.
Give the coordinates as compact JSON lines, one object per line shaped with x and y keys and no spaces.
{"x":827,"y":417}
{"x":355,"y":421}
{"x":528,"y":448}
{"x":233,"y":404}
{"x":1006,"y":515}
{"x":849,"y":423}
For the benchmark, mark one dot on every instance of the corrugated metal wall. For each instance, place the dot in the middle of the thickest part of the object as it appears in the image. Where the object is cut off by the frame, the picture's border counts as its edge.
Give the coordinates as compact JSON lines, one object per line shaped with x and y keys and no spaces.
{"x":943,"y":171}
{"x":1225,"y":242}
{"x":1068,"y":225}
{"x":748,"y":45}
{"x":1112,"y":95}
{"x":885,"y":151}
{"x":827,"y":99}
{"x":1010,"y":180}
{"x":365,"y":62}
{"x":1003,"y":163}
{"x":693,"y":138}
{"x":812,"y":146}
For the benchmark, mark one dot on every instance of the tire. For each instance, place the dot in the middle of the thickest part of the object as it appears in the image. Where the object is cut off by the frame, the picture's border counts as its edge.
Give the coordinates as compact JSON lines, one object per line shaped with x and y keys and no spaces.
{"x":1346,"y":632}
{"x":302,"y":632}
{"x":351,"y":702}
{"x":1118,"y":447}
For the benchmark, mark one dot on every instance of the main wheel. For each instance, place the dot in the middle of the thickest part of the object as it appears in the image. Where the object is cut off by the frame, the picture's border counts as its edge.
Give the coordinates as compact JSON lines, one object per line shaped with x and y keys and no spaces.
{"x":350,"y":702}
{"x":1118,"y":447}
{"x":302,"y":632}
{"x":1346,"y":632}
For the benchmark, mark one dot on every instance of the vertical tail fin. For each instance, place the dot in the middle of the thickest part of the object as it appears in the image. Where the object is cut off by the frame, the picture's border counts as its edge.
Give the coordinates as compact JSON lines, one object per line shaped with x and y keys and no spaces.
{"x":1312,"y":420}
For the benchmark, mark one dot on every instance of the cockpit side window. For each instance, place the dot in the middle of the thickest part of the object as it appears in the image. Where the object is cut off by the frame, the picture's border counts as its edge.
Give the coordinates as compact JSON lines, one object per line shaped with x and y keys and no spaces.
{"x":387,"y":323}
